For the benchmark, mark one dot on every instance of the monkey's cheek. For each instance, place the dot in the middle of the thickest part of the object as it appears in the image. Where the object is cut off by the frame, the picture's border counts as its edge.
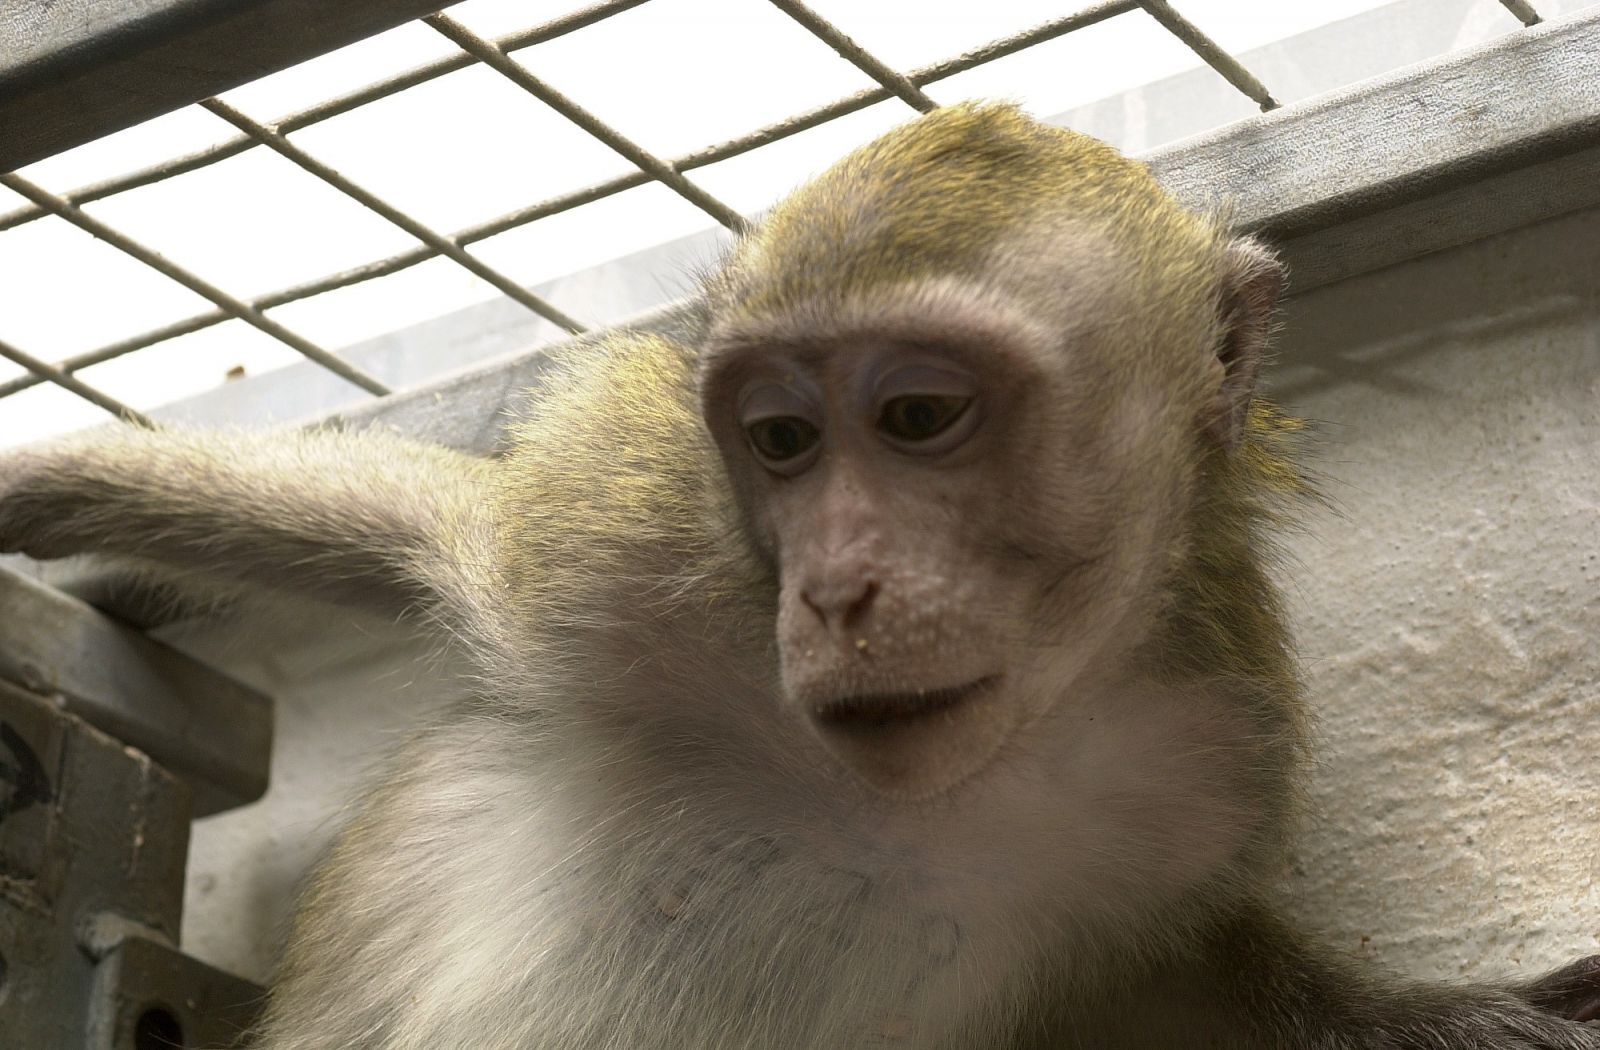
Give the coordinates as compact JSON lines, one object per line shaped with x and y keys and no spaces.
{"x":923,"y":756}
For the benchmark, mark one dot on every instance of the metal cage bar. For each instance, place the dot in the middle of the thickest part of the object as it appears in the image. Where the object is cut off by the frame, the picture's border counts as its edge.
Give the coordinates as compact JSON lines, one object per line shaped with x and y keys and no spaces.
{"x":333,"y":107}
{"x":495,"y":53}
{"x":662,"y":171}
{"x":1210,"y":53}
{"x":1523,"y":10}
{"x":775,"y":132}
{"x":71,"y":72}
{"x":440,"y":243}
{"x":200,"y":286}
{"x":422,"y":74}
{"x":856,"y":55}
{"x":50,"y":373}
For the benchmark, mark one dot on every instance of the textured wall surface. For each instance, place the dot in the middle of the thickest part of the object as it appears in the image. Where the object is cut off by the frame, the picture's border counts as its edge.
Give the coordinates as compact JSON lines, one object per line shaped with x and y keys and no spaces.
{"x":1448,"y":608}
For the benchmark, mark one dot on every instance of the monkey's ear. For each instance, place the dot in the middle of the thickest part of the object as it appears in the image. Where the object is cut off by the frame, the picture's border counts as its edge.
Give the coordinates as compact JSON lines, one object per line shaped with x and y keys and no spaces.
{"x":1252,"y":279}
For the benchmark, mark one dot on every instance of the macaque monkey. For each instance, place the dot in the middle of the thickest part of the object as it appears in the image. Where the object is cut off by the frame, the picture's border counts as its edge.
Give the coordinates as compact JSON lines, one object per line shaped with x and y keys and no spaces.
{"x":898,"y":666}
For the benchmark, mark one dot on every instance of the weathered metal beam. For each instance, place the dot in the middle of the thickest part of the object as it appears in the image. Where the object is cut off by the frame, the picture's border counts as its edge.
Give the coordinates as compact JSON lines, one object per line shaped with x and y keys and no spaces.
{"x":93,"y":842}
{"x":1445,"y":144}
{"x":74,"y":70}
{"x":205,"y":727}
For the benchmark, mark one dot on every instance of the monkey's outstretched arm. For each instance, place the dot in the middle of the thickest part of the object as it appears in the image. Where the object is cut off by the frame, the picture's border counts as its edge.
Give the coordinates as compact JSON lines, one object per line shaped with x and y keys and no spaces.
{"x":1266,"y":986}
{"x":365,"y":518}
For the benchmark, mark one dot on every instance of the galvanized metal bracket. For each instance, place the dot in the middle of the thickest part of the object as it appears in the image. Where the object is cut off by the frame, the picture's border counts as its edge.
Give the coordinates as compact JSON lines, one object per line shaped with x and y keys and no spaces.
{"x":93,"y":840}
{"x":210,"y":730}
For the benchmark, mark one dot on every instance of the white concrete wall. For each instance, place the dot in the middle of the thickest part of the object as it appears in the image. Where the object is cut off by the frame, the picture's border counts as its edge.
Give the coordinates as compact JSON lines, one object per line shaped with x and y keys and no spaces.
{"x":1448,"y":605}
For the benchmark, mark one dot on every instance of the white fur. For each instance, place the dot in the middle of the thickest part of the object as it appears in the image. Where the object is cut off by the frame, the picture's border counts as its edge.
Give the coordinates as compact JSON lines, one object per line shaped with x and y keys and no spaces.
{"x":614,"y":876}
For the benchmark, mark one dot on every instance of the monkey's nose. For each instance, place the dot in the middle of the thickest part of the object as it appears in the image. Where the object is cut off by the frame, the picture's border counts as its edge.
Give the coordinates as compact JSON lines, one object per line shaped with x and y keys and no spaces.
{"x":840,"y":605}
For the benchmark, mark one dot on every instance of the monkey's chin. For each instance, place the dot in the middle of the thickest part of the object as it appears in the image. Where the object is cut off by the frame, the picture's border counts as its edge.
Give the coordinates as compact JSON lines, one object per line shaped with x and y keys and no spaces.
{"x":918,"y":744}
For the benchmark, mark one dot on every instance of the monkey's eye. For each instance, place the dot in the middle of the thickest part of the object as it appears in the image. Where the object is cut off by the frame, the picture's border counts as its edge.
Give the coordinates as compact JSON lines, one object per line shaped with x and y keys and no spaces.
{"x":918,"y":417}
{"x":781,"y":422}
{"x":781,"y":438}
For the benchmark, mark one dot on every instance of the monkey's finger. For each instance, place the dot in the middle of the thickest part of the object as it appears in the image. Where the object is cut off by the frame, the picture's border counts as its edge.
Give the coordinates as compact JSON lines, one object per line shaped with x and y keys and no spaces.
{"x":1572,"y":992}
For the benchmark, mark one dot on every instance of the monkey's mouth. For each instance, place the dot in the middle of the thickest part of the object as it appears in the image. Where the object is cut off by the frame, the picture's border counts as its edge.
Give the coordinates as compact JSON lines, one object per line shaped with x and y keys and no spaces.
{"x":870,"y":712}
{"x":918,"y":743}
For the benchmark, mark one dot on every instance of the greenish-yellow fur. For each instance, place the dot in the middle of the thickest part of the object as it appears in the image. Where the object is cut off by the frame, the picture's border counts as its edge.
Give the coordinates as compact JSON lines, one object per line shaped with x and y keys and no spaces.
{"x":611,"y":492}
{"x":935,"y":197}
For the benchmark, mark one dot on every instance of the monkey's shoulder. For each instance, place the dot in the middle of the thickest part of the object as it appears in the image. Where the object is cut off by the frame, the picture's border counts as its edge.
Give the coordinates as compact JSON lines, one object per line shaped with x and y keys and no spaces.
{"x":628,"y":400}
{"x":613,"y":471}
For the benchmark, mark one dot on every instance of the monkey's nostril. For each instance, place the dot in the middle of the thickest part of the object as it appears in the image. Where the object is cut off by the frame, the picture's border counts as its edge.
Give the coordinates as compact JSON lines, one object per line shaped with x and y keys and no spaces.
{"x":858,"y":608}
{"x":811,"y":603}
{"x":841,"y":606}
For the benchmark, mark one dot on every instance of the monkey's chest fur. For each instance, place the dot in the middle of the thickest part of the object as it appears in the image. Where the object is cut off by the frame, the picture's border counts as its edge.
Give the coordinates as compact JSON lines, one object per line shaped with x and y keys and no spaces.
{"x":535,"y":919}
{"x":557,"y":894}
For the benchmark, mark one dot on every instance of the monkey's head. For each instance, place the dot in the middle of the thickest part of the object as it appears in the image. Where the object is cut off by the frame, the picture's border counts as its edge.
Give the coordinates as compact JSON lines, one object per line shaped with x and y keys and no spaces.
{"x":966,"y":385}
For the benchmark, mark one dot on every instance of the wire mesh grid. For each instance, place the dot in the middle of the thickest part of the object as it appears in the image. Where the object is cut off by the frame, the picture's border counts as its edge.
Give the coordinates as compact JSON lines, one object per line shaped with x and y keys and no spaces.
{"x":470,"y":48}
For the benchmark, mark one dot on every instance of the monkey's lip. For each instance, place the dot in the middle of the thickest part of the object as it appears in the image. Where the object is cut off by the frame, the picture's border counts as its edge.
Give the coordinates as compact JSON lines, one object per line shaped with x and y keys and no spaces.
{"x":868,"y":711}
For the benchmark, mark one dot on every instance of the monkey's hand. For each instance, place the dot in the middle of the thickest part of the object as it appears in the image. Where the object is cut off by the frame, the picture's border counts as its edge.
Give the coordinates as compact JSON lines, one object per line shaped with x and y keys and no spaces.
{"x":1549,"y":1013}
{"x":367,"y":518}
{"x":1482,"y":1019}
{"x":1572,"y":992}
{"x":1299,"y":994}
{"x":1507,"y":1030}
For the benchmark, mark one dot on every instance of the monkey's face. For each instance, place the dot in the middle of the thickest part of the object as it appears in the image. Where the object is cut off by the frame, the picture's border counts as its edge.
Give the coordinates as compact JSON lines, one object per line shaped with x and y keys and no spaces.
{"x":943,"y":504}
